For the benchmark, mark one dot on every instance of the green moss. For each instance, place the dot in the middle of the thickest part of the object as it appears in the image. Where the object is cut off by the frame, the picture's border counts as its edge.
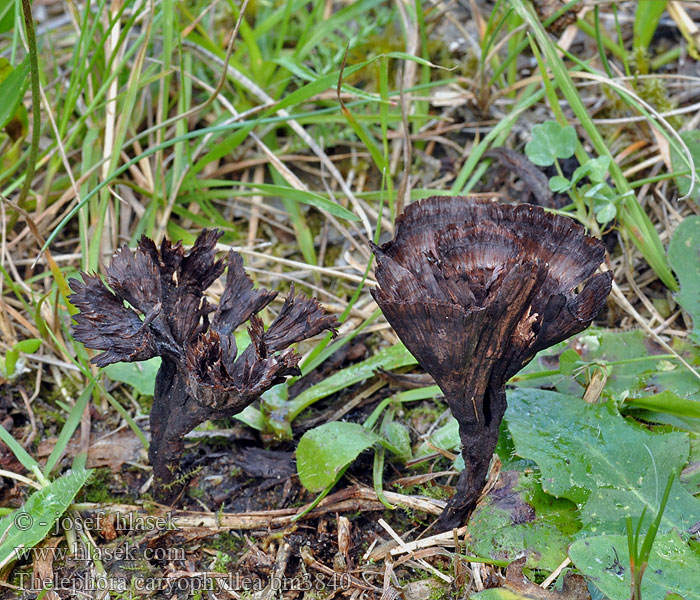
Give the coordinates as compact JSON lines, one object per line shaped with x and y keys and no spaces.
{"x":430,"y":491}
{"x":332,"y":255}
{"x":441,"y":592}
{"x":100,"y":485}
{"x":222,"y":562}
{"x":196,"y":492}
{"x":97,"y":487}
{"x":226,"y":541}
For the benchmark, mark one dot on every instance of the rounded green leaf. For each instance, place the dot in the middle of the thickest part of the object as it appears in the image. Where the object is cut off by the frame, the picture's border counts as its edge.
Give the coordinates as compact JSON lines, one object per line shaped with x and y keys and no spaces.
{"x":605,"y":212}
{"x":559,"y":184}
{"x":324,"y":451}
{"x":568,"y":361}
{"x":550,"y":141}
{"x":517,"y":515}
{"x":597,"y":459}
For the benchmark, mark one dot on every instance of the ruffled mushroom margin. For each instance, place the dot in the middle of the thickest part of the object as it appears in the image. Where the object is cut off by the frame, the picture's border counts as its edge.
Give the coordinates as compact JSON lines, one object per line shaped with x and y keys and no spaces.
{"x":155,"y":306}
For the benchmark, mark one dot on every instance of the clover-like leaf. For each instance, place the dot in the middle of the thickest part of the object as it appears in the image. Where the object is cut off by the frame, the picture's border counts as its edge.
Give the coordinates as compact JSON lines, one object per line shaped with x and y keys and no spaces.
{"x":559,"y":184}
{"x":551,"y":141}
{"x":605,"y":211}
{"x":595,"y":168}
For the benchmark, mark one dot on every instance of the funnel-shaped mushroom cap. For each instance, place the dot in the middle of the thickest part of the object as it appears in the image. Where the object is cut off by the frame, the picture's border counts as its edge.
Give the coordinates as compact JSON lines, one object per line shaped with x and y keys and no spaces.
{"x":475,"y":289}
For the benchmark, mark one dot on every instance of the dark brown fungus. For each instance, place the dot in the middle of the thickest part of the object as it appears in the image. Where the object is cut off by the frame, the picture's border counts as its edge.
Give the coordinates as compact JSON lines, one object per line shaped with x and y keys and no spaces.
{"x":202,"y":375}
{"x":474,"y":290}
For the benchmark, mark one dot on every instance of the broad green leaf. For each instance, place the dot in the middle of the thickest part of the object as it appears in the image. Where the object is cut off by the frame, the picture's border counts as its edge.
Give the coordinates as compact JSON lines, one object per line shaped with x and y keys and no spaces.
{"x":673,"y":567}
{"x":518,"y":514}
{"x":251,"y":417}
{"x":684,"y":256}
{"x":549,"y":142}
{"x":29,"y":524}
{"x":273,"y":410}
{"x":324,"y":451}
{"x":679,"y":163}
{"x":690,"y":476}
{"x":139,"y":375}
{"x":7,"y":15}
{"x":591,"y":455}
{"x":12,"y":89}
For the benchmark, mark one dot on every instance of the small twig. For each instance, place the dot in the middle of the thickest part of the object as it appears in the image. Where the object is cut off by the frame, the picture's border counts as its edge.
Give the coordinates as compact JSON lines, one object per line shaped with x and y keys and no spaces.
{"x":554,"y":574}
{"x":425,"y":565}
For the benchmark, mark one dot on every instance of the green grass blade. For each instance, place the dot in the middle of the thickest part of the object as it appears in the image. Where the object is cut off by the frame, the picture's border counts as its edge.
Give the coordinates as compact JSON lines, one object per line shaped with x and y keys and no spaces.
{"x":20,"y":453}
{"x":646,"y":20}
{"x":68,"y":429}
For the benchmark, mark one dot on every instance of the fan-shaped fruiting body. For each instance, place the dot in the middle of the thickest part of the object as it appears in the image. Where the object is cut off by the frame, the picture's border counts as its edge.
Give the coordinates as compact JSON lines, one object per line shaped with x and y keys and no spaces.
{"x":474,"y":290}
{"x":202,"y":375}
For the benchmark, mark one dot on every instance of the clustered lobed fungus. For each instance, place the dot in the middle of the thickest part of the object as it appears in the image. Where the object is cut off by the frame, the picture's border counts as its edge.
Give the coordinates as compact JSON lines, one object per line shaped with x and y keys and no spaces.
{"x":202,"y":375}
{"x":475,"y":289}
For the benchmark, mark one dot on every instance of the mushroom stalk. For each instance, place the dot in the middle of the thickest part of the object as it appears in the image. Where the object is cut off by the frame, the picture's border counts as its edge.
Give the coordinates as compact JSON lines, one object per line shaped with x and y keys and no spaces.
{"x":474,"y":290}
{"x":479,"y":442}
{"x":171,"y":419}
